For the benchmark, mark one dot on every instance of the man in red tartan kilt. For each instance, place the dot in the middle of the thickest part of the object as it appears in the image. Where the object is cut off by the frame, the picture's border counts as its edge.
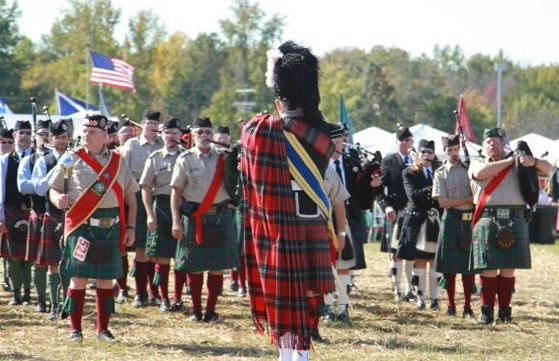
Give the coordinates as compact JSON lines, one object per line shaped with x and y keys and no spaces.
{"x":287,"y":236}
{"x":94,"y":184}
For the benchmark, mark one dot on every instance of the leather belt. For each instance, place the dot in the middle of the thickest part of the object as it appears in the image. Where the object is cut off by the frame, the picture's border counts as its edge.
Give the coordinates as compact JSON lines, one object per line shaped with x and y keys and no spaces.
{"x":465,"y":215}
{"x":105,"y":222}
{"x":217,"y":208}
{"x":502,"y":212}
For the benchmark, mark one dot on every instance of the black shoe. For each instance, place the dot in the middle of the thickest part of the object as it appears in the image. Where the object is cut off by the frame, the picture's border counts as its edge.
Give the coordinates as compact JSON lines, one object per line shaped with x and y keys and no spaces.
{"x":451,"y":311}
{"x":26,"y":299}
{"x":177,"y":306}
{"x":330,"y":316}
{"x":106,"y":336}
{"x":76,"y":336}
{"x":434,"y":305}
{"x":242,"y":292}
{"x":316,"y":335}
{"x":196,"y":316}
{"x":42,"y":307}
{"x":6,"y":284}
{"x":234,"y":286}
{"x":211,"y":317}
{"x":53,"y":315}
{"x":505,"y":314}
{"x":343,"y":317}
{"x":139,"y":301}
{"x":155,"y":300}
{"x":486,"y":317}
{"x":420,"y":305}
{"x":468,"y":313}
{"x":15,"y":301}
{"x":122,"y":296}
{"x":165,"y":306}
{"x":410,"y":297}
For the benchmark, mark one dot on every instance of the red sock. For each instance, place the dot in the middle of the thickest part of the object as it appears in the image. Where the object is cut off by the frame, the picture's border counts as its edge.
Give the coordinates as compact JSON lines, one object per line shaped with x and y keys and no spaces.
{"x":505,"y":290}
{"x":196,"y":281}
{"x":313,"y":312}
{"x":468,"y":282}
{"x":242,"y":273}
{"x":180,"y":280}
{"x":76,"y":315}
{"x":141,"y":277}
{"x":214,"y":284}
{"x":163,"y":270}
{"x":123,"y":281}
{"x":488,"y":291}
{"x":104,"y":306}
{"x":151,"y":273}
{"x":451,"y":289}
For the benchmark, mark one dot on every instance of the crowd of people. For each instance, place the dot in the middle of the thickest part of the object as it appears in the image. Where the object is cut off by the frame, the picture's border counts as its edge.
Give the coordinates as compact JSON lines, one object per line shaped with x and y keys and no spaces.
{"x":282,"y":210}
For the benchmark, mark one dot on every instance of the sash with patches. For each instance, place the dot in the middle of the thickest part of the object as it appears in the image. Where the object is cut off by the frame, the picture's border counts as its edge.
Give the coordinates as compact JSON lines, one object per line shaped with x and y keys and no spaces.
{"x":90,"y":199}
{"x":305,"y":172}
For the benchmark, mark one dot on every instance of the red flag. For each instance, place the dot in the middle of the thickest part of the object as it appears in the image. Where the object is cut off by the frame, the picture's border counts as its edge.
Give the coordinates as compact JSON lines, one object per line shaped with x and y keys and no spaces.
{"x":464,"y":120}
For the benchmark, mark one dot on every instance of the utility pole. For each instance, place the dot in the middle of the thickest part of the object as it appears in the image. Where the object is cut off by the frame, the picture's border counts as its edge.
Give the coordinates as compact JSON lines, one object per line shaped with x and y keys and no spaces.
{"x":500,"y":67}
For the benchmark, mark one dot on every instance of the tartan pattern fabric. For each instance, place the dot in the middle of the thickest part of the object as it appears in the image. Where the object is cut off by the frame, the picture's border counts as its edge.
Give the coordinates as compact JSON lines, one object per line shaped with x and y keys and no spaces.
{"x":141,"y":222}
{"x":359,"y":237}
{"x":408,"y":238}
{"x":449,"y":257}
{"x":33,"y":236}
{"x":9,"y":247}
{"x":285,"y":255}
{"x":49,"y":252}
{"x":160,"y":243}
{"x":486,"y":254}
{"x":191,"y":257}
{"x":71,"y":267}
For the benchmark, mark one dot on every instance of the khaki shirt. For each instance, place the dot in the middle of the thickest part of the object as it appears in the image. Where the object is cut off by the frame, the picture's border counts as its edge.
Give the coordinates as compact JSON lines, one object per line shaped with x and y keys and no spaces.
{"x":82,"y":176}
{"x":507,"y":193}
{"x":452,"y":182}
{"x":136,"y":151}
{"x":335,"y":189}
{"x":193,"y":173}
{"x":158,"y":170}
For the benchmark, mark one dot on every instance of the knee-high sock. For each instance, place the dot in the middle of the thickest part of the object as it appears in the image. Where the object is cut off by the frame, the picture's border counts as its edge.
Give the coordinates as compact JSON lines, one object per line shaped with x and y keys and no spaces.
{"x":329,"y":299}
{"x":26,"y":273}
{"x":163,"y":270}
{"x":104,"y":303}
{"x":141,"y":277}
{"x":40,"y":281}
{"x":151,"y":274}
{"x":242,"y":273}
{"x":196,"y":282}
{"x":408,"y":270}
{"x":505,"y":289}
{"x":488,"y":291}
{"x":434,"y":284}
{"x":343,"y":298}
{"x":396,"y":272}
{"x":14,"y":271}
{"x":468,"y":283}
{"x":77,"y":298}
{"x":312,"y":305}
{"x":300,"y":355}
{"x":214,"y":284}
{"x":123,"y":281}
{"x":451,"y":288}
{"x":54,"y":282}
{"x":180,"y":280}
{"x":421,"y":274}
{"x":234,"y":275}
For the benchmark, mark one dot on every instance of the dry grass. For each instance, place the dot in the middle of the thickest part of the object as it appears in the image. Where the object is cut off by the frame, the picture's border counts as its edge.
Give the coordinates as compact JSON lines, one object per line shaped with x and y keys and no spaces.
{"x":381,"y":329}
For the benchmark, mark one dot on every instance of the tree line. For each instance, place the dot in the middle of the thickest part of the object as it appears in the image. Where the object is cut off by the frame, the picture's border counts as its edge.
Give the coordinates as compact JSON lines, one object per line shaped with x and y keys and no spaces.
{"x":221,"y":74}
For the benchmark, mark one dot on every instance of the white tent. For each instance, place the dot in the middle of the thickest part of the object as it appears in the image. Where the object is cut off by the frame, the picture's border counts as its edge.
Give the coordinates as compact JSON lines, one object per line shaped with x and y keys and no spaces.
{"x":539,"y":146}
{"x":374,"y":138}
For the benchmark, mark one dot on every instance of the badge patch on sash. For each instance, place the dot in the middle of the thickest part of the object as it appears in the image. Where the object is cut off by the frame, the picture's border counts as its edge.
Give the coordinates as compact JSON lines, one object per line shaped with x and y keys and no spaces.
{"x":99,"y":188}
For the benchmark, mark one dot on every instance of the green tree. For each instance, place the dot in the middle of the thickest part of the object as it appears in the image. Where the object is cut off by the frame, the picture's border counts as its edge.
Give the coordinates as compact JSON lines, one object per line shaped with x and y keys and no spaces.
{"x":11,"y":66}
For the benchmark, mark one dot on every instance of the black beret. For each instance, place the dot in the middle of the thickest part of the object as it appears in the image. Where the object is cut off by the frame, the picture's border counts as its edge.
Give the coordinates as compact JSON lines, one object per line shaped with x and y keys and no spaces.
{"x":336,"y":131}
{"x":403,"y":133}
{"x":6,"y":133}
{"x":426,"y":144}
{"x":151,"y":114}
{"x":222,"y":129}
{"x":450,"y":140}
{"x":96,"y":121}
{"x":43,"y":124}
{"x":59,"y":127}
{"x":202,"y":123}
{"x":494,"y":132}
{"x":173,"y":123}
{"x":22,"y":124}
{"x":112,"y":128}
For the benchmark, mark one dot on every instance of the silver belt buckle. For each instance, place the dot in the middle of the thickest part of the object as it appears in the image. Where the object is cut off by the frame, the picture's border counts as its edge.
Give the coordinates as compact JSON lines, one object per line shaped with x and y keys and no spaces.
{"x":105,"y":222}
{"x":467,"y":216}
{"x":503,"y":213}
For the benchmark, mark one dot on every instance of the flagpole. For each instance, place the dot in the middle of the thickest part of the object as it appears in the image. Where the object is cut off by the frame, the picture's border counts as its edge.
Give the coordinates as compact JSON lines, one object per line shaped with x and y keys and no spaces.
{"x":86,"y":80}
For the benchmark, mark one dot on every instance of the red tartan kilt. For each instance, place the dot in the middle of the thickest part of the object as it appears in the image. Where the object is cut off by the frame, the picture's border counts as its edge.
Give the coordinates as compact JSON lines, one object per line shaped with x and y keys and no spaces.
{"x":49,"y":252}
{"x":33,"y":236}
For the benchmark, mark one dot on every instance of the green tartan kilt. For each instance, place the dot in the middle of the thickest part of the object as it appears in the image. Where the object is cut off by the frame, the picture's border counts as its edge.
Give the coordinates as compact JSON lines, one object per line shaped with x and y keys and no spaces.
{"x":451,"y":258}
{"x":486,"y":254}
{"x":191,"y":257}
{"x":11,"y":246}
{"x":160,"y":243}
{"x":73,"y":267}
{"x":141,"y":222}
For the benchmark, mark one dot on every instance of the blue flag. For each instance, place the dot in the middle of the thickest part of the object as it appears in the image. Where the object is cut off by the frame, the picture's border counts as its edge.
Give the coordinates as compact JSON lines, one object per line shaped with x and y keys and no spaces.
{"x":344,"y":118}
{"x":4,"y":108}
{"x":68,"y":105}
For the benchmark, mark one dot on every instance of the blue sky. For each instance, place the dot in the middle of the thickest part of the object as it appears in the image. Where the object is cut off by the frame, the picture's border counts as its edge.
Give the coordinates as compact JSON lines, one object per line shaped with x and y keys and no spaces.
{"x":524,"y":30}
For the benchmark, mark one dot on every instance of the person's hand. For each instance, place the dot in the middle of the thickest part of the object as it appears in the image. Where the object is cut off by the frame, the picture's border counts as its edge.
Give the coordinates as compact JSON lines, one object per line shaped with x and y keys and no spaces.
{"x":341,"y":242}
{"x":152,"y":224}
{"x":129,"y":237}
{"x":390,"y":214}
{"x":527,"y":160}
{"x":375,"y":181}
{"x":177,"y":230}
{"x":63,"y":201}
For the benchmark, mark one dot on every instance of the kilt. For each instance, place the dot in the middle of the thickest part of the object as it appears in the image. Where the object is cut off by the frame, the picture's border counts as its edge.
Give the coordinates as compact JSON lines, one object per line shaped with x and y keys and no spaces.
{"x":191,"y":257}
{"x":408,"y":238}
{"x":359,"y":237}
{"x":486,"y":254}
{"x":160,"y":243}
{"x":49,"y":252}
{"x":73,"y":267}
{"x":10,"y":247}
{"x":386,"y":240}
{"x":239,"y":236}
{"x":141,"y":222}
{"x":450,"y":257}
{"x":33,"y":236}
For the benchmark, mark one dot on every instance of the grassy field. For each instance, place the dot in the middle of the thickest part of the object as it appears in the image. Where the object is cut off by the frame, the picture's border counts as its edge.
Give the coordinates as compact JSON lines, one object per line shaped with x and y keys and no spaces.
{"x":380,"y":329}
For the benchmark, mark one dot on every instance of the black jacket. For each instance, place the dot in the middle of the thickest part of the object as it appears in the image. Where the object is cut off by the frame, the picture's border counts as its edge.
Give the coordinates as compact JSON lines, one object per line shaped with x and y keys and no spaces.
{"x":391,"y":174}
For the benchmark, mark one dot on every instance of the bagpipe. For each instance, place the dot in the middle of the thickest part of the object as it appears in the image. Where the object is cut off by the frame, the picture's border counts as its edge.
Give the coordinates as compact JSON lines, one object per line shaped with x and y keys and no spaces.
{"x":527,"y":176}
{"x":367,"y":166}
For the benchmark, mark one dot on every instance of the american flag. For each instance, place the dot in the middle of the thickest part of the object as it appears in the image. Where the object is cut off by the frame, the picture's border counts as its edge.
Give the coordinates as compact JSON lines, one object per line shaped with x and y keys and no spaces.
{"x":111,"y":71}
